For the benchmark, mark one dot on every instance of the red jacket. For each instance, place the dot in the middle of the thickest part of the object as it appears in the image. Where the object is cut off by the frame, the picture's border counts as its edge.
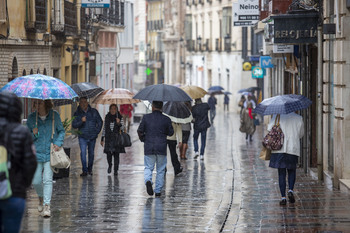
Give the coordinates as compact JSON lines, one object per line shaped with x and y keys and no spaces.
{"x":126,"y":109}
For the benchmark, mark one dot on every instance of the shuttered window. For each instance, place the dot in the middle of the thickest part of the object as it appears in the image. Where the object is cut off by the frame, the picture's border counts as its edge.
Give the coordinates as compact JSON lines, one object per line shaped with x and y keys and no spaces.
{"x":3,"y":13}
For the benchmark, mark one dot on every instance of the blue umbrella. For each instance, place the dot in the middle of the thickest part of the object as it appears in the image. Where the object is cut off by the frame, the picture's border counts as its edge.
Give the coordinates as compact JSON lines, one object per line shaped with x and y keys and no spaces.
{"x":250,"y":89}
{"x":215,"y":88}
{"x":162,"y":92}
{"x":282,"y":104}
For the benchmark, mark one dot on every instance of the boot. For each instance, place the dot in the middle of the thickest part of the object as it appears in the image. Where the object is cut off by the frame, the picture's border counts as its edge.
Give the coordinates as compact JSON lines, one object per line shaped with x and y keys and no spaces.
{"x":40,"y":206}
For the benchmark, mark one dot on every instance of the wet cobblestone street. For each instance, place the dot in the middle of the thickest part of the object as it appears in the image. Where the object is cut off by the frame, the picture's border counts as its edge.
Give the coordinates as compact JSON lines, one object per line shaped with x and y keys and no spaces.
{"x":232,"y":190}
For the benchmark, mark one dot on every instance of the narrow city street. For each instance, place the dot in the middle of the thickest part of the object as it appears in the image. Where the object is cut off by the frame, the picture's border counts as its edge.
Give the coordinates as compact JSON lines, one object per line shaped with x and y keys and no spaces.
{"x":232,"y":190}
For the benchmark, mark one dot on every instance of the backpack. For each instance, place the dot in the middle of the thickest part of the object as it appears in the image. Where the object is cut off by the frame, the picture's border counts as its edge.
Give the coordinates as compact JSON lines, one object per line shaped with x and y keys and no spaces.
{"x":275,"y":138}
{"x":5,"y":164}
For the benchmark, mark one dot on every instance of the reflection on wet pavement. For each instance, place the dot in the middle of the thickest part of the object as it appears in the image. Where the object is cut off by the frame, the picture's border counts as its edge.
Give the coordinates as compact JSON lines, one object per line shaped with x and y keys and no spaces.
{"x":230,"y":191}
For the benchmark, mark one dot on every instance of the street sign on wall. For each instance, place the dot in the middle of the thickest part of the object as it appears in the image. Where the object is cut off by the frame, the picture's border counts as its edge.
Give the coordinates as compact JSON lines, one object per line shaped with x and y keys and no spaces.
{"x":283,"y":48}
{"x":266,"y":62}
{"x":95,"y":3}
{"x":245,"y":13}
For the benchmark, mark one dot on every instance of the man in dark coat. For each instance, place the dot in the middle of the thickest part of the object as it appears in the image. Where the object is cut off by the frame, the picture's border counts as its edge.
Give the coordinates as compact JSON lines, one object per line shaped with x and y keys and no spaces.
{"x":89,"y":122}
{"x":153,"y":131}
{"x":200,"y":126}
{"x":19,"y":145}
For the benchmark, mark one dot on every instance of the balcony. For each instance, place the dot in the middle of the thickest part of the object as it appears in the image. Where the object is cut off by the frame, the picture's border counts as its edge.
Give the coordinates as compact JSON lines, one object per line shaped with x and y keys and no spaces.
{"x":114,"y":15}
{"x":83,"y":24}
{"x":227,"y":43}
{"x":39,"y":25}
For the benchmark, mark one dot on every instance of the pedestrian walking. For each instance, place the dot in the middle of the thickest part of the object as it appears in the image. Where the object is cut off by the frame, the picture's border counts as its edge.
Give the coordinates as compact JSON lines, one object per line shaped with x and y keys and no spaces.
{"x":172,"y":142}
{"x":89,"y":122}
{"x":200,"y":126}
{"x":126,"y":110}
{"x":186,"y":131}
{"x":251,"y":98}
{"x":40,"y":124}
{"x":241,"y":104}
{"x":212,"y":102}
{"x":153,"y":131}
{"x":112,"y":127}
{"x":286,"y":159}
{"x":22,"y":159}
{"x":247,"y":122}
{"x":226,"y":102}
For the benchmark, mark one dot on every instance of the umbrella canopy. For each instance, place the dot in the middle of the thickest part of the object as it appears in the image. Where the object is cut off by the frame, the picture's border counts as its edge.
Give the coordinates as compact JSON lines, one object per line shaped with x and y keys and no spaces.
{"x":162,"y":92}
{"x":116,"y":96}
{"x":215,"y":88}
{"x":38,"y":86}
{"x":86,"y":89}
{"x":178,"y":112}
{"x":227,"y":93}
{"x":250,"y":89}
{"x":194,"y":92}
{"x":282,"y":104}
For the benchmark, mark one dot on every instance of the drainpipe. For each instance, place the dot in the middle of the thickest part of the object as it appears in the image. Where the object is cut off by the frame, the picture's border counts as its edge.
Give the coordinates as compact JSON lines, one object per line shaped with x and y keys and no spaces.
{"x":319,"y":106}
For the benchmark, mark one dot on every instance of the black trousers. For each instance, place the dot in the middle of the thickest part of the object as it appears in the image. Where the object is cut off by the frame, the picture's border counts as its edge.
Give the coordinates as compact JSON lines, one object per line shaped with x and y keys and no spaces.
{"x":116,"y":160}
{"x":173,"y":155}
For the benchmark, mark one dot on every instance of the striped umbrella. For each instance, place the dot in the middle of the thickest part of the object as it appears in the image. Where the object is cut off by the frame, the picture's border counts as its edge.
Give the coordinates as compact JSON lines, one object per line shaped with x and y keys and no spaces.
{"x":115,"y":96}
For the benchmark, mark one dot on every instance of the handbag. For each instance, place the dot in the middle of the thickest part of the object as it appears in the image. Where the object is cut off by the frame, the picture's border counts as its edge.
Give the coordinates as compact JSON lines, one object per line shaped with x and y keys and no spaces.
{"x":275,"y":138}
{"x":265,"y":154}
{"x":124,"y":139}
{"x":58,"y":159}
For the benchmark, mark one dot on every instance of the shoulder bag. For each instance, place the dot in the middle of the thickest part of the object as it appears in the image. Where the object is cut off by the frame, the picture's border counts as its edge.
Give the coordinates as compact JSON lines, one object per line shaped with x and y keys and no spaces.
{"x":275,"y":138}
{"x":58,"y":159}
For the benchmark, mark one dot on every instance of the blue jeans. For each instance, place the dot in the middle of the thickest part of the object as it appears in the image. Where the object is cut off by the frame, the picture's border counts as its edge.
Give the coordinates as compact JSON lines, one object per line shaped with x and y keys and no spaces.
{"x":11,"y":213}
{"x":203,"y":140}
{"x":90,"y":145}
{"x":42,"y":181}
{"x":212,"y":115}
{"x":282,"y":172}
{"x":150,"y":161}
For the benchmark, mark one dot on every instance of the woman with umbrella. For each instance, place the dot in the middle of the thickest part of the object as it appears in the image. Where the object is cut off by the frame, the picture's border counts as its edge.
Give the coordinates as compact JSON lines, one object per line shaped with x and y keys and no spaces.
{"x":40,"y":123}
{"x":247,"y":122}
{"x":111,"y":129}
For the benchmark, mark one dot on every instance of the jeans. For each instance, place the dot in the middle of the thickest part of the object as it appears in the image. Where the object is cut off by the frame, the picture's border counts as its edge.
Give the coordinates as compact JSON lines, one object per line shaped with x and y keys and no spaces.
{"x":42,"y":181}
{"x":90,"y":145}
{"x":203,"y":140}
{"x":282,"y":179}
{"x":212,"y":115}
{"x":11,"y":213}
{"x":160,"y":161}
{"x":116,"y":160}
{"x":173,"y":155}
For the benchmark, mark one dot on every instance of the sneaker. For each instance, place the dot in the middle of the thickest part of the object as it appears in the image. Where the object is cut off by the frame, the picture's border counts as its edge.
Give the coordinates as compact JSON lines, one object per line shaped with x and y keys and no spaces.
{"x":196,"y":154}
{"x":158,"y":194}
{"x":83,"y":174}
{"x":46,"y":211}
{"x":283,"y":201}
{"x":291,"y":197}
{"x":202,"y":157}
{"x":41,"y":203}
{"x":149,"y":188}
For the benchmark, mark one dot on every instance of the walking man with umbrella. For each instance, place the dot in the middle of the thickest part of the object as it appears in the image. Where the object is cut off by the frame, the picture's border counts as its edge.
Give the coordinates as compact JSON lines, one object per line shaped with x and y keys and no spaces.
{"x":153,"y":131}
{"x":89,"y":122}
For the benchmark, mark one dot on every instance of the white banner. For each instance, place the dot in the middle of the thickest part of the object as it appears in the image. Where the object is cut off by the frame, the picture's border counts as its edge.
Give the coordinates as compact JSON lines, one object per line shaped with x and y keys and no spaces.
{"x":245,"y":13}
{"x":95,"y":3}
{"x":283,"y":48}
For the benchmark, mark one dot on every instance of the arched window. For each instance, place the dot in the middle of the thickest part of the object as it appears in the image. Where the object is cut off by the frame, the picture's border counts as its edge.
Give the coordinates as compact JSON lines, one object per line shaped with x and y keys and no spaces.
{"x":31,"y":71}
{"x":38,"y":71}
{"x":45,"y":73}
{"x":24,"y":73}
{"x":14,"y":70}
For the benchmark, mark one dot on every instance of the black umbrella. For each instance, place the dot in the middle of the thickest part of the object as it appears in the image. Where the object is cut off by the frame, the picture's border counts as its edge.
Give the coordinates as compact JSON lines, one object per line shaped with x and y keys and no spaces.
{"x":162,"y":92}
{"x":178,"y":112}
{"x":86,"y":89}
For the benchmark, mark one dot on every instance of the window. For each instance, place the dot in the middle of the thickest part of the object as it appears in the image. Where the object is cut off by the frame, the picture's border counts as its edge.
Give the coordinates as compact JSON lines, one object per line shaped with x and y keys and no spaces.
{"x":3,"y":11}
{"x":226,"y":21}
{"x":188,"y":27}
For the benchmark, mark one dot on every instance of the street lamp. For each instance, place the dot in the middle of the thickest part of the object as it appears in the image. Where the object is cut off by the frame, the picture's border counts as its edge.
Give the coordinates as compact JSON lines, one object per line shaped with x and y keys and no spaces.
{"x":199,"y":41}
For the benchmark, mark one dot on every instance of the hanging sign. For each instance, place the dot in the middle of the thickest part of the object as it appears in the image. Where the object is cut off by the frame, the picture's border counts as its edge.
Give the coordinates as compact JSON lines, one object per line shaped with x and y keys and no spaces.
{"x":266,"y":62}
{"x":95,"y":3}
{"x":245,"y":13}
{"x":283,"y":48}
{"x":257,"y":72}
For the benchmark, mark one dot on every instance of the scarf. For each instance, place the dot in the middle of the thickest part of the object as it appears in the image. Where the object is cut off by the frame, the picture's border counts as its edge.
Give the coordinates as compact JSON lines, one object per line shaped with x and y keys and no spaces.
{"x":250,"y":113}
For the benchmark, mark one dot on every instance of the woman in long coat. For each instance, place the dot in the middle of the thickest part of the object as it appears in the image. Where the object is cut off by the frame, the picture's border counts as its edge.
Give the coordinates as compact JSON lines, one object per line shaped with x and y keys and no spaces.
{"x":247,"y":122}
{"x":111,"y":129}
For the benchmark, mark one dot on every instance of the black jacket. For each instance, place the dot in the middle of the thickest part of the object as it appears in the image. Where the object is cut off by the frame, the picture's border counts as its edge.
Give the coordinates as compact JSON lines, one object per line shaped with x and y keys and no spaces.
{"x":111,"y":135}
{"x":200,"y":115}
{"x":23,"y":159}
{"x":153,"y":130}
{"x":93,"y":125}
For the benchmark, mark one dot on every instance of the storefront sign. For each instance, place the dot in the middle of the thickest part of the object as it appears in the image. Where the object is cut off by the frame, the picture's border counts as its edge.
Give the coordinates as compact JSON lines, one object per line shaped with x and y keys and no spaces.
{"x":95,"y":3}
{"x":288,"y":28}
{"x":283,"y":48}
{"x":266,"y":62}
{"x":257,"y":72}
{"x":245,"y":13}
